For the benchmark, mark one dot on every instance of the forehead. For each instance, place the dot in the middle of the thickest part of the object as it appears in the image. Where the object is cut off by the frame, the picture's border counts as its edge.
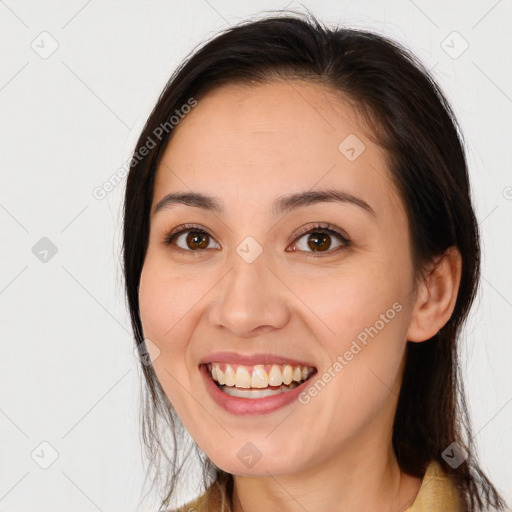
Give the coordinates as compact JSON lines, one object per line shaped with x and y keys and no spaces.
{"x":244,"y":116}
{"x":269,"y":139}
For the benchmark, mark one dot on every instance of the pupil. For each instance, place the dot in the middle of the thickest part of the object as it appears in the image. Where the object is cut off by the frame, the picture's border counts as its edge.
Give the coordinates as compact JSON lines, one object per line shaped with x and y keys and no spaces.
{"x":318,"y":245}
{"x":193,"y":236}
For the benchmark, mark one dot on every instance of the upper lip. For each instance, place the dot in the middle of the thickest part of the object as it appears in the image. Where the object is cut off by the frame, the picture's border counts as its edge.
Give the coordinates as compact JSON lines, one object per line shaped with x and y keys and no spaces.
{"x":251,"y":360}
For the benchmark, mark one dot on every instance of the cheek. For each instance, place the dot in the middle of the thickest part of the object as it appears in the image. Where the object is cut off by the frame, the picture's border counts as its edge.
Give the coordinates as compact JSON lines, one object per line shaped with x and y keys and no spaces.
{"x":365,"y":316}
{"x":165,"y":299}
{"x":161,"y":307}
{"x":169,"y":304}
{"x":357,"y":300}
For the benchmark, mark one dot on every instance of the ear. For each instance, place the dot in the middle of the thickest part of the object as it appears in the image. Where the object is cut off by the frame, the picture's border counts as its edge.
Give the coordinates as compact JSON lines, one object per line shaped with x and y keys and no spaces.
{"x":436,"y":296}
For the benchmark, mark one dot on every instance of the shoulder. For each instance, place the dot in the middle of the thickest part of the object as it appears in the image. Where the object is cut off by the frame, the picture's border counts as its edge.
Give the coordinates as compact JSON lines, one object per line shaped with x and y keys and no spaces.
{"x":437,"y":492}
{"x":211,"y":500}
{"x":196,"y":505}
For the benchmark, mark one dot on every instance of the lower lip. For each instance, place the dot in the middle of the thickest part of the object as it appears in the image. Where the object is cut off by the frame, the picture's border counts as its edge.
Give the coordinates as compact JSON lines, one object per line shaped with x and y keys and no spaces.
{"x":238,"y":406}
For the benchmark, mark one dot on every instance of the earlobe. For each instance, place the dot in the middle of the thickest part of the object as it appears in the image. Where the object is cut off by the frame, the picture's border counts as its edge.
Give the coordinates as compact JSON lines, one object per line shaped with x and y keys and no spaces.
{"x":436,"y":296}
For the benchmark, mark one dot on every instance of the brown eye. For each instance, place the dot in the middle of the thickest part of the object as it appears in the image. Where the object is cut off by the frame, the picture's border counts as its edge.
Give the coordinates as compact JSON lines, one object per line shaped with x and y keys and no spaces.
{"x":319,"y":240}
{"x":191,"y":239}
{"x":197,"y":240}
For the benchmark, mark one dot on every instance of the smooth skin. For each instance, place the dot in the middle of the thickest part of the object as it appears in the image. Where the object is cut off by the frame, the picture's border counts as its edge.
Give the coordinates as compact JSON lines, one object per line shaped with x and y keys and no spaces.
{"x":248,"y":146}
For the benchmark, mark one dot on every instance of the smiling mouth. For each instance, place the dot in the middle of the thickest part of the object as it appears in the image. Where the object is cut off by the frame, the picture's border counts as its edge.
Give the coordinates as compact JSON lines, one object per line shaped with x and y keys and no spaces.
{"x":258,"y":381}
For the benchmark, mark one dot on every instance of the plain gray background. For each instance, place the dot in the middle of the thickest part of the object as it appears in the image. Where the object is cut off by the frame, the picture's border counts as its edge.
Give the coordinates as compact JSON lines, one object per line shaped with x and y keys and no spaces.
{"x":78,"y":80}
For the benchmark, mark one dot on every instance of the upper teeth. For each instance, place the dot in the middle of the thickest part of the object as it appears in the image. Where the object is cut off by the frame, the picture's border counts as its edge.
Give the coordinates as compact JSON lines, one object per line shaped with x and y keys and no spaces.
{"x":258,"y":376}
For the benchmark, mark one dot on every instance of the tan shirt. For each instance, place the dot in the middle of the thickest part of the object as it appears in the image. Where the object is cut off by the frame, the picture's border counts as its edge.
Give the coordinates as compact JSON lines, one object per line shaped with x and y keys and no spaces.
{"x":437,"y":492}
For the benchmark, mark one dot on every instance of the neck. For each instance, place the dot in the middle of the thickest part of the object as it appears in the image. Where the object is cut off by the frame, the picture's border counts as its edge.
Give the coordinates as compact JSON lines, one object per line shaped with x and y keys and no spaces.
{"x":360,"y":479}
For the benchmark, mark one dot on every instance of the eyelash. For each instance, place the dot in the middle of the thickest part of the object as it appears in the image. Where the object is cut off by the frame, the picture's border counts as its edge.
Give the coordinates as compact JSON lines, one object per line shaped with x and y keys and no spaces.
{"x":318,"y":228}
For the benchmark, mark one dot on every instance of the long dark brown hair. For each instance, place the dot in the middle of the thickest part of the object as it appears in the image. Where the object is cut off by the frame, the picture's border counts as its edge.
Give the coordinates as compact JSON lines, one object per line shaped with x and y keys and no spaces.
{"x":409,"y":117}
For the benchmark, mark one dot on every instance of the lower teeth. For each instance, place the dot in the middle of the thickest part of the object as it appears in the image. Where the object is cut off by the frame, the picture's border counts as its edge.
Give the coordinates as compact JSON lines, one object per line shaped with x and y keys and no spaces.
{"x":257,"y":393}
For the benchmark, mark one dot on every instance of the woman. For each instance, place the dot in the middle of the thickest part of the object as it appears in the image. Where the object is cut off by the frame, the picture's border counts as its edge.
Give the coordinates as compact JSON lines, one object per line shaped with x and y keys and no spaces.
{"x":300,"y":252}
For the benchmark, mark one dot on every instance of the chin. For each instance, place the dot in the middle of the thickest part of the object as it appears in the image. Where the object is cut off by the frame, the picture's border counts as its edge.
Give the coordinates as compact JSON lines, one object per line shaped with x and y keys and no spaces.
{"x":250,"y":462}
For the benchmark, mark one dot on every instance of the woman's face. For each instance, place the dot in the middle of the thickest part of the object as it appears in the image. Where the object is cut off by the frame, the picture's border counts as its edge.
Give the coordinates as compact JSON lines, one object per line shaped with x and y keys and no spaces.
{"x":265,"y":282}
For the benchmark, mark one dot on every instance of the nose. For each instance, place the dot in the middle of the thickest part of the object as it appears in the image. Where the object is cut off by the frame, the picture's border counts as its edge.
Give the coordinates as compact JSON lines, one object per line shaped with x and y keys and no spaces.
{"x":250,"y":300}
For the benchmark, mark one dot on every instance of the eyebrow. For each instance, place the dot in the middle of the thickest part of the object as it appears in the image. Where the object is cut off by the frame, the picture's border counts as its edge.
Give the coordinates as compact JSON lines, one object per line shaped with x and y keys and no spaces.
{"x":282,"y":205}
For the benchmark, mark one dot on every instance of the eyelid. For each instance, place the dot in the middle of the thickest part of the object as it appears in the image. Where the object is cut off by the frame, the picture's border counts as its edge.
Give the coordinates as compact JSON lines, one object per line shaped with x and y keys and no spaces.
{"x":169,"y":238}
{"x":184,"y":227}
{"x":320,"y":226}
